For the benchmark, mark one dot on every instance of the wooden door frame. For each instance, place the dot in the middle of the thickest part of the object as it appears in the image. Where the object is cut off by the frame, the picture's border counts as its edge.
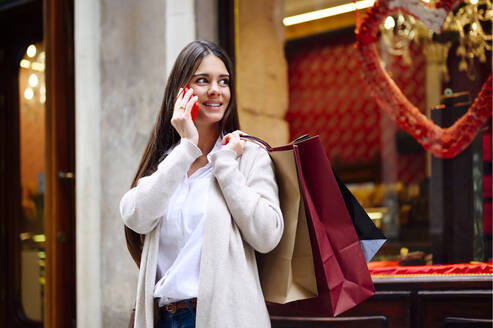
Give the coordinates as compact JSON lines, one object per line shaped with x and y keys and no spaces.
{"x":30,"y":21}
{"x":60,"y":161}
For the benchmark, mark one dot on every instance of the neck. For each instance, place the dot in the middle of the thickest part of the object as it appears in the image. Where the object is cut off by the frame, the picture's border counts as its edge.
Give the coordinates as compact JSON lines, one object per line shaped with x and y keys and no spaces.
{"x":207,"y":137}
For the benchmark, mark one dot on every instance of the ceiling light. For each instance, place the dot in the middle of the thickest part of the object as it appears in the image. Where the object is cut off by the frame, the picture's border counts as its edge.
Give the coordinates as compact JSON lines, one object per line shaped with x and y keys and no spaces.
{"x":25,"y":63}
{"x":33,"y":80}
{"x":31,"y":50}
{"x":40,"y":67}
{"x":389,"y":23}
{"x":328,"y":12}
{"x":42,"y":56}
{"x":28,"y":93}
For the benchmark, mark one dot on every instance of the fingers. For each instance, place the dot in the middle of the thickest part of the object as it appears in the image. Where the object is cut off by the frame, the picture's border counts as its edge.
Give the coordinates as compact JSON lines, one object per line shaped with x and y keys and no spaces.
{"x":235,"y":134}
{"x":179,"y":103}
{"x":226,"y":139}
{"x":184,"y":102}
{"x":189,"y":106}
{"x":187,"y":96}
{"x":182,"y":99}
{"x":182,"y":119}
{"x":232,"y":141}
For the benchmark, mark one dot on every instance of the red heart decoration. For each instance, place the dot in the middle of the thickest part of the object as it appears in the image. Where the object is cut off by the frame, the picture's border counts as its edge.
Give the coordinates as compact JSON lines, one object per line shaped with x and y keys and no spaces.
{"x":442,"y":142}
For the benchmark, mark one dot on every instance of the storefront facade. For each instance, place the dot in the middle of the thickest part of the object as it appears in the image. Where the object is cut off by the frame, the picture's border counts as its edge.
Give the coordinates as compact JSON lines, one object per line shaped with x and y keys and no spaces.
{"x":99,"y":85}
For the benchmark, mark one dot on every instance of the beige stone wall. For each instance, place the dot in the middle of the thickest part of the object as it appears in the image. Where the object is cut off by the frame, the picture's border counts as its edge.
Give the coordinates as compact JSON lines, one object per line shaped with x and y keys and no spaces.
{"x":120,"y":74}
{"x":261,"y":68}
{"x":206,"y":20}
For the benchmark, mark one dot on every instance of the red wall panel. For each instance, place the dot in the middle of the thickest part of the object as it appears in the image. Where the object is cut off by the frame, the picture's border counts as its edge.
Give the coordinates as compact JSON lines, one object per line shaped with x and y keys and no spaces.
{"x":327,"y":97}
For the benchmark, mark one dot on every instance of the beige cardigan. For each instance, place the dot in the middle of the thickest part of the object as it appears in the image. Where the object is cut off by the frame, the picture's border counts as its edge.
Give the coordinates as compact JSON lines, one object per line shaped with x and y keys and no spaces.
{"x":242,"y":217}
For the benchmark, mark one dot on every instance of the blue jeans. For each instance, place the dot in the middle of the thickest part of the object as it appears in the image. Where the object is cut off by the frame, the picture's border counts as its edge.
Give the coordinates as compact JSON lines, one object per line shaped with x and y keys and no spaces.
{"x":182,"y":318}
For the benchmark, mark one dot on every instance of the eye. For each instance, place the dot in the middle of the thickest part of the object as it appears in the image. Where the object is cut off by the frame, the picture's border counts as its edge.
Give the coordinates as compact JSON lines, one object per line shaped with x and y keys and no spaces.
{"x":224,"y":81}
{"x":201,"y":80}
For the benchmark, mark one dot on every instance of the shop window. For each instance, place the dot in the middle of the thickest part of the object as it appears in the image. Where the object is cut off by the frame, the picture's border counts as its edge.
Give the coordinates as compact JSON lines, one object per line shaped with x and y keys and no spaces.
{"x":32,"y":98}
{"x":434,"y":211}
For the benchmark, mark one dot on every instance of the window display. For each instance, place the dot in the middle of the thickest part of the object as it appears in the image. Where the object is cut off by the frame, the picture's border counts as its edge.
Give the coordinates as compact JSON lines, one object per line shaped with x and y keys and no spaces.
{"x":425,"y":181}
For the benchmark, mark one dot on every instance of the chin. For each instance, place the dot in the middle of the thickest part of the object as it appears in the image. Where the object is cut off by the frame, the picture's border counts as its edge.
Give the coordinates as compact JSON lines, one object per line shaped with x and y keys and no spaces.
{"x":210,"y":119}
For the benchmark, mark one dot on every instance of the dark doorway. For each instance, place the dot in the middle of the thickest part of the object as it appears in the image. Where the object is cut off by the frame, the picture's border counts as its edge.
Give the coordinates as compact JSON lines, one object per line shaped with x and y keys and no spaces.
{"x":37,"y":225}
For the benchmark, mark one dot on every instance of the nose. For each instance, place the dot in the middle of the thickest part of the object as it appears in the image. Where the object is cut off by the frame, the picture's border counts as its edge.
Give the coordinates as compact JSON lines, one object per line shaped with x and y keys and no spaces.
{"x":213,"y":88}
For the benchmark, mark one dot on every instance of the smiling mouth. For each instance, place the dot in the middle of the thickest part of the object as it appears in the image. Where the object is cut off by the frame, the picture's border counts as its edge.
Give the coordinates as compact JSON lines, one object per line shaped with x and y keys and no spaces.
{"x":213,"y":105}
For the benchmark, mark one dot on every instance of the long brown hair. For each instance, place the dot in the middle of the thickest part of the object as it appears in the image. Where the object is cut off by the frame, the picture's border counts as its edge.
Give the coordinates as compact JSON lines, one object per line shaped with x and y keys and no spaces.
{"x":163,"y":135}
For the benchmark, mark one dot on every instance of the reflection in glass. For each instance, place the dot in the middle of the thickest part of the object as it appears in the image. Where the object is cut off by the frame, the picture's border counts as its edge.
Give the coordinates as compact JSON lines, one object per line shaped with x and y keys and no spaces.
{"x":435,"y":212}
{"x":32,"y":161}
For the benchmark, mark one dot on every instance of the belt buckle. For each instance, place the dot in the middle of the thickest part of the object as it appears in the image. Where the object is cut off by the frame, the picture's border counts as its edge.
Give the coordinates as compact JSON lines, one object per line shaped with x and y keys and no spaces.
{"x":171,"y":308}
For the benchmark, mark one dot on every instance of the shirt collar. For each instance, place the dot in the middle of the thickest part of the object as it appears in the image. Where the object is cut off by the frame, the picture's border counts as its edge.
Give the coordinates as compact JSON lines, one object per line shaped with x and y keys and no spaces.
{"x":217,"y":146}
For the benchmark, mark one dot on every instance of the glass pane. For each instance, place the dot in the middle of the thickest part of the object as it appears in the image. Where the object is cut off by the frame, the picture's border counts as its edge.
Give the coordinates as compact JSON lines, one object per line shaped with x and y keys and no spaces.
{"x":434,"y":211}
{"x":32,"y":97}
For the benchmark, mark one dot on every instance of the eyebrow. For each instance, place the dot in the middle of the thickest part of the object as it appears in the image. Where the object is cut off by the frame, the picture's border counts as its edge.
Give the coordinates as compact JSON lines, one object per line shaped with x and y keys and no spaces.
{"x":205,"y":74}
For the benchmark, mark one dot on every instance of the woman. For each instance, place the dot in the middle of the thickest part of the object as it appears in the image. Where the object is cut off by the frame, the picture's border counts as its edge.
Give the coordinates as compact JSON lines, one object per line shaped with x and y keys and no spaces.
{"x":202,"y":202}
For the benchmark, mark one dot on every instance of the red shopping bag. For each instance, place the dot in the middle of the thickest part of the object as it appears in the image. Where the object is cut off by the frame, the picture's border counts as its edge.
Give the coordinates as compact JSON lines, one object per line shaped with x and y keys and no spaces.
{"x":343,"y":278}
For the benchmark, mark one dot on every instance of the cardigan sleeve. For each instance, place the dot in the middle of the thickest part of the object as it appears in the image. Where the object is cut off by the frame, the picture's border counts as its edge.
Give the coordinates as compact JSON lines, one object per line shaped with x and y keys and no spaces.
{"x":142,"y":206}
{"x":253,"y":199}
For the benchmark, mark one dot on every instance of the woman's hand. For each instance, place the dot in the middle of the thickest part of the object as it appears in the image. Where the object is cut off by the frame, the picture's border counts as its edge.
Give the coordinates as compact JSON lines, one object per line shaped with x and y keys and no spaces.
{"x":182,"y":119}
{"x":232,"y":141}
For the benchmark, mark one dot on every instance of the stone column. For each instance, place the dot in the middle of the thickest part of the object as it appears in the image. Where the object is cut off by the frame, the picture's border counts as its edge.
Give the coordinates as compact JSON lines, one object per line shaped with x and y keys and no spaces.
{"x":88,"y":162}
{"x":134,"y":54}
{"x":120,"y":63}
{"x":206,"y":20}
{"x":261,"y":68}
{"x":180,"y":28}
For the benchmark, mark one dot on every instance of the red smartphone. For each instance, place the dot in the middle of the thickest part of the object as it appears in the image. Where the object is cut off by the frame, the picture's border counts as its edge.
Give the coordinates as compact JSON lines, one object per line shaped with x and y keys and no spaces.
{"x":195,"y":107}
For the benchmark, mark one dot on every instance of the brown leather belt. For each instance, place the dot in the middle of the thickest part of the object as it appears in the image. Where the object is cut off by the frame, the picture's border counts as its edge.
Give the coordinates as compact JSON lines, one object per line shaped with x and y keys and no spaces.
{"x":172,"y":307}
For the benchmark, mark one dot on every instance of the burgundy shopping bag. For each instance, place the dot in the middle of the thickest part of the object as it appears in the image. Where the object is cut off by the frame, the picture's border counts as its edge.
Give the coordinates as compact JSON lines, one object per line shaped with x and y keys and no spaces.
{"x":343,"y":278}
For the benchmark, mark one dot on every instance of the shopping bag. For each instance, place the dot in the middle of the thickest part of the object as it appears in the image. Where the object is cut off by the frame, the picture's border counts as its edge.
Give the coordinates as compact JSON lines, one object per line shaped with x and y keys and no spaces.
{"x":342,"y":276}
{"x":287,"y":273}
{"x":370,"y":237}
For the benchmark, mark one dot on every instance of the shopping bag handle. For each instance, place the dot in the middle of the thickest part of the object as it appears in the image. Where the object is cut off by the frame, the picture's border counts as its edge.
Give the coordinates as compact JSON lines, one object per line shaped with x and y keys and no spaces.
{"x":267,"y":146}
{"x":257,"y":140}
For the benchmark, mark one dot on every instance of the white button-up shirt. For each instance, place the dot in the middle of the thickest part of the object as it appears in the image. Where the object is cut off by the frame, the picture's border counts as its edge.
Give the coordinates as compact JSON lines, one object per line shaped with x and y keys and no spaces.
{"x":181,"y":236}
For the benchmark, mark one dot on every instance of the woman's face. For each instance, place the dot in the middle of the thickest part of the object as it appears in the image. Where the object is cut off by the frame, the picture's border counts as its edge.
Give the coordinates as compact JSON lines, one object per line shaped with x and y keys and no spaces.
{"x":210,"y":83}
